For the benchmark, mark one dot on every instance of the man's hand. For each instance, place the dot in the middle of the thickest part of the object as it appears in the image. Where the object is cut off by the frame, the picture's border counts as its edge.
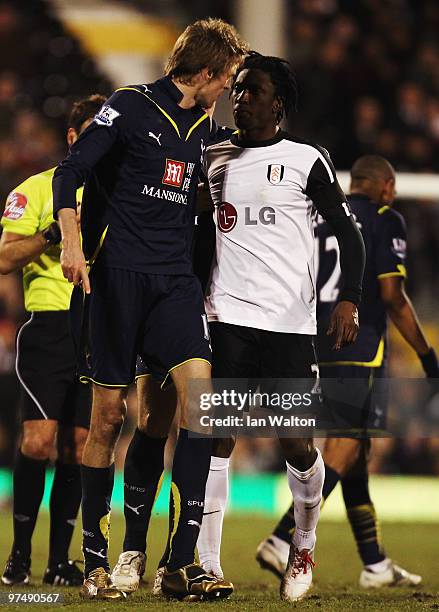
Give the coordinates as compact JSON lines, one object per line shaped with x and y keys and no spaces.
{"x":72,"y":258}
{"x":343,"y":324}
{"x":74,"y":267}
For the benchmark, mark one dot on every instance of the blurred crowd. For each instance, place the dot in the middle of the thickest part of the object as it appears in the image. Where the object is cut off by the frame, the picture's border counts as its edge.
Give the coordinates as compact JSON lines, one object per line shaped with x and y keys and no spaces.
{"x":368,"y":76}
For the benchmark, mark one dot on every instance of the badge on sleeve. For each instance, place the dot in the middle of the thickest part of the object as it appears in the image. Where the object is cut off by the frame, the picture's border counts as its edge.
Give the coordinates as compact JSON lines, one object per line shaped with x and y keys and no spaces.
{"x":15,"y":205}
{"x":106,"y":116}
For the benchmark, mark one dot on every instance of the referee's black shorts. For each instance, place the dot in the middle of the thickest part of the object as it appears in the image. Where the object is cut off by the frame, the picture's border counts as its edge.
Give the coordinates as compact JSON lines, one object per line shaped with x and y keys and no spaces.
{"x":46,"y":368}
{"x":161,"y":318}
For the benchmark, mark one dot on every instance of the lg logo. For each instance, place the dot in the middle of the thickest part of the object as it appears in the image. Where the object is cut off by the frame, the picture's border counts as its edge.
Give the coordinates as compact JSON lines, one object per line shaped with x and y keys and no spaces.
{"x":227,"y":216}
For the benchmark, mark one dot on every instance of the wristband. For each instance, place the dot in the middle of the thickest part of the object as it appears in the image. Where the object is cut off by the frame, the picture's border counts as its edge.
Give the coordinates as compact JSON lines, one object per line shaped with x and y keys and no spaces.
{"x":52,"y":235}
{"x":430,"y":364}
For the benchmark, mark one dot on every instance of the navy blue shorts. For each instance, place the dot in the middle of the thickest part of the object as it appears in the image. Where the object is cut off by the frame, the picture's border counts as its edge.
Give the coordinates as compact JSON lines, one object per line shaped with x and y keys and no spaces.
{"x":158,"y":317}
{"x":357,"y":399}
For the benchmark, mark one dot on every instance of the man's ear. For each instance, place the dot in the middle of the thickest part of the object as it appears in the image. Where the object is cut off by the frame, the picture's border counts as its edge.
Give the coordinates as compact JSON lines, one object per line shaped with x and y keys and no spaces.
{"x":202,"y":77}
{"x":277,"y":106}
{"x":72,"y":136}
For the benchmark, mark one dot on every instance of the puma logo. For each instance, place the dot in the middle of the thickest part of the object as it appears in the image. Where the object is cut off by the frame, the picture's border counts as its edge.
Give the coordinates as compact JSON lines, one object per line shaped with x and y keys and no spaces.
{"x":191,"y":522}
{"x":134,"y":509}
{"x":152,"y":135}
{"x":100,"y":553}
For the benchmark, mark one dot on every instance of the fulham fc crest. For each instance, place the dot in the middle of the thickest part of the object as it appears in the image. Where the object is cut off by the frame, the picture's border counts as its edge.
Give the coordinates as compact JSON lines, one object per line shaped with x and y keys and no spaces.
{"x":275,"y":173}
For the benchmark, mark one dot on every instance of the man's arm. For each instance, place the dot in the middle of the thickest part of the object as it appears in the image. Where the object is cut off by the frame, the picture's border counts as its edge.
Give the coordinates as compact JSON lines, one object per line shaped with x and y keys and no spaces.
{"x":72,"y":258}
{"x":403,"y":315}
{"x":328,"y":198}
{"x":105,"y":130}
{"x":16,"y":251}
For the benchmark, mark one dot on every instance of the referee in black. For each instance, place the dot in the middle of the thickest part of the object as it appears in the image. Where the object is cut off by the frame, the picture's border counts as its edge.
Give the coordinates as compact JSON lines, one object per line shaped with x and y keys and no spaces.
{"x":141,"y":159}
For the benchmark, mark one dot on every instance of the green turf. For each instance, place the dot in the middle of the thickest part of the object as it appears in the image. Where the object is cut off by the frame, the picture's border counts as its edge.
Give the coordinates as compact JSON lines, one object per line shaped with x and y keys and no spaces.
{"x":414,"y":546}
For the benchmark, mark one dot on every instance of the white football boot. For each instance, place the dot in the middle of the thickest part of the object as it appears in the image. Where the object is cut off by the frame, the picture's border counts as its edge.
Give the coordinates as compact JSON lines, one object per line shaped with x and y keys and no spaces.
{"x":272,"y":555}
{"x":129,"y":570}
{"x":297,"y":579}
{"x":393,"y":575}
{"x":157,"y":586}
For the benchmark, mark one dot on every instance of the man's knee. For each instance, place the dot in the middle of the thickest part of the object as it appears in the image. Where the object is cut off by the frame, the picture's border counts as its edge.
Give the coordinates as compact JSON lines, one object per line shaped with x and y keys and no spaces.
{"x":38,"y":439}
{"x":223,"y":447}
{"x":343,"y":454}
{"x":156,"y":407}
{"x":108,"y":414}
{"x":71,"y":442}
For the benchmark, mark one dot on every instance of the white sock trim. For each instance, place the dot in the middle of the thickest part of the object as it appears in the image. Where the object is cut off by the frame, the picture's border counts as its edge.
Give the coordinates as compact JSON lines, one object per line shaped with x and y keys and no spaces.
{"x":219,"y":463}
{"x":380,"y":566}
{"x":306,"y":475}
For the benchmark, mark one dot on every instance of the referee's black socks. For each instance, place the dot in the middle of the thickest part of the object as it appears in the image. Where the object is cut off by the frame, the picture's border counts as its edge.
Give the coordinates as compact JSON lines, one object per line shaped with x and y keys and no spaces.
{"x":97,"y":487}
{"x":143,"y":474}
{"x":189,"y":476}
{"x":65,"y":500}
{"x":29,"y":478}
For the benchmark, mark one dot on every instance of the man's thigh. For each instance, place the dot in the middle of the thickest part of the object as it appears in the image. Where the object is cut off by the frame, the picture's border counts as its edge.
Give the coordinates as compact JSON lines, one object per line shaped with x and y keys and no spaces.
{"x":117,"y":311}
{"x":235,"y":351}
{"x":45,"y":365}
{"x":176,"y":329}
{"x":357,"y":398}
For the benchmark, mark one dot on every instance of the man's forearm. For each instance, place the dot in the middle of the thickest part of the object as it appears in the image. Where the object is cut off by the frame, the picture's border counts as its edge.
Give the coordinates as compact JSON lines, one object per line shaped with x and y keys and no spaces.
{"x":16,"y":254}
{"x":69,"y":228}
{"x":404,"y":317}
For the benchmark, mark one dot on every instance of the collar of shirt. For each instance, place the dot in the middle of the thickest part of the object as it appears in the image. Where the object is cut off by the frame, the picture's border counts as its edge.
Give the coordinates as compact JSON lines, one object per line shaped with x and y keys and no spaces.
{"x":171,"y":90}
{"x":241,"y":142}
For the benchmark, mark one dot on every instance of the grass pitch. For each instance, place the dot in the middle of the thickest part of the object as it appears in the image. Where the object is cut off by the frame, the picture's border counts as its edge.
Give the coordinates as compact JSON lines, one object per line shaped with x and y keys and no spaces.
{"x":336,"y":576}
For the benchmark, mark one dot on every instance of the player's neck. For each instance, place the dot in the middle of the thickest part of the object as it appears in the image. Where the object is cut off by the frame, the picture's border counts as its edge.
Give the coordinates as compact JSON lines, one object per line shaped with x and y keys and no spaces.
{"x":259,"y":134}
{"x":189,"y":92}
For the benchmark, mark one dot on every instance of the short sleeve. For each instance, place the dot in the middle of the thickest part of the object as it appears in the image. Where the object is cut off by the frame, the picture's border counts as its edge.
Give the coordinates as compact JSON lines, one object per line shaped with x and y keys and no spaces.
{"x":391,"y":245}
{"x":23,"y":208}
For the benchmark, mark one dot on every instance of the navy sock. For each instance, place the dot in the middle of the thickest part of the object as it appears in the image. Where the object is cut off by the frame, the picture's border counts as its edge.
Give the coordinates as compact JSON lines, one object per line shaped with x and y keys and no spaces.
{"x":362,"y":517}
{"x":189,"y":476}
{"x":285,"y":528}
{"x":65,"y":500}
{"x":97,"y":487}
{"x":142,"y":479}
{"x":29,"y":478}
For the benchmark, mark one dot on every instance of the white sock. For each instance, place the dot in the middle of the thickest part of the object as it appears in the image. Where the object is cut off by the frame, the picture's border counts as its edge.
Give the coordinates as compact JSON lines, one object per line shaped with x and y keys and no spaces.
{"x":306,"y":489}
{"x":215,"y":502}
{"x":379,"y":567}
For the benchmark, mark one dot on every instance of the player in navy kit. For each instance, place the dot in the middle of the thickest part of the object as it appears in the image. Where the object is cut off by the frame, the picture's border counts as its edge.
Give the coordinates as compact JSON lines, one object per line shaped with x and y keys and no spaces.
{"x":362,"y":364}
{"x":141,"y":158}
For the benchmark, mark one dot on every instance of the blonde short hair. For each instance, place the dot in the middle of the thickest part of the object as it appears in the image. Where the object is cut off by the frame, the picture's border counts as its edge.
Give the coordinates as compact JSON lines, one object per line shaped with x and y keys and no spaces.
{"x":206,"y":43}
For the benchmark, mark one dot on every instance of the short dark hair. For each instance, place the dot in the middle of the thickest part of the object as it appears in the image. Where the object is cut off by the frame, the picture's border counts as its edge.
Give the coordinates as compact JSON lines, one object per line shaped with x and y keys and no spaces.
{"x":281,"y":75}
{"x":84,"y":109}
{"x":371,"y":168}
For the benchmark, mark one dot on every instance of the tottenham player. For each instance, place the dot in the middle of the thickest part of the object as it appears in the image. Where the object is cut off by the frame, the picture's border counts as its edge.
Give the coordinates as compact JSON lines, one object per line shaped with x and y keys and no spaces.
{"x":141,"y":158}
{"x":384,"y":233}
{"x":55,"y":406}
{"x":260,"y":299}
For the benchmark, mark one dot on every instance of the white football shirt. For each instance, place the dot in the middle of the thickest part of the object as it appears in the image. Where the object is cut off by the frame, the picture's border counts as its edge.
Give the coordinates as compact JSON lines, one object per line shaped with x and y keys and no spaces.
{"x":264,"y":194}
